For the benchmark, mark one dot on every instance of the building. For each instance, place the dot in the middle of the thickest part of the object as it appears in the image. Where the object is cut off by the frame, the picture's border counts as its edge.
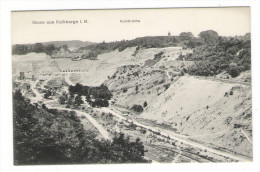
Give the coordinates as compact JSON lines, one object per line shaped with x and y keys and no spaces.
{"x":169,"y":33}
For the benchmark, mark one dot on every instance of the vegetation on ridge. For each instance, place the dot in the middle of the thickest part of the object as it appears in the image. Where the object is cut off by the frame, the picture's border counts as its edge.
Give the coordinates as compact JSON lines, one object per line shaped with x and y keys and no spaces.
{"x":44,"y":136}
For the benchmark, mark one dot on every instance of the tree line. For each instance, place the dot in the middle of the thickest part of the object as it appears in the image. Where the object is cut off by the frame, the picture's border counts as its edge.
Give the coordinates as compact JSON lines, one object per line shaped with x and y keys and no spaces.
{"x":21,"y":49}
{"x":214,"y":54}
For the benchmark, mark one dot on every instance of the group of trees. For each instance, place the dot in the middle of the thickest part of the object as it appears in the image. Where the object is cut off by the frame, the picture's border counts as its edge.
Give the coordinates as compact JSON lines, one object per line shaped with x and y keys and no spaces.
{"x":215,"y":54}
{"x":158,"y":56}
{"x":91,"y":55}
{"x":71,"y":100}
{"x":145,"y":42}
{"x":95,"y":96}
{"x":21,"y":49}
{"x":44,"y":136}
{"x":137,"y":108}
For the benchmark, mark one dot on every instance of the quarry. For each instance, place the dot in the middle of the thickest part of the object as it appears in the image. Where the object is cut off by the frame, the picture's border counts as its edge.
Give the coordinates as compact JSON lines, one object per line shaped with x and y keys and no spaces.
{"x":177,"y":116}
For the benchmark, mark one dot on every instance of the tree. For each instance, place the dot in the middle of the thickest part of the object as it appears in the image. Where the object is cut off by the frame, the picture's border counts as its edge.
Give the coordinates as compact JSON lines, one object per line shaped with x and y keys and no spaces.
{"x":131,"y":151}
{"x":64,"y":48}
{"x":233,"y":70}
{"x":49,"y":49}
{"x":92,"y":55}
{"x":38,"y":48}
{"x":247,"y":37}
{"x":47,"y":94}
{"x":136,"y":88}
{"x":209,"y":36}
{"x":190,"y":44}
{"x":78,"y":100}
{"x":186,"y":35}
{"x":62,"y":100}
{"x":18,"y":96}
{"x":20,"y":49}
{"x":65,"y":95}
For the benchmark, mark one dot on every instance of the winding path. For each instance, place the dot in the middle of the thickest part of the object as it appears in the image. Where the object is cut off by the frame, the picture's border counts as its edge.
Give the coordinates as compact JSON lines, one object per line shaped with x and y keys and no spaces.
{"x":171,"y":135}
{"x":67,"y":79}
{"x":229,"y":81}
{"x":102,"y":131}
{"x":38,"y":96}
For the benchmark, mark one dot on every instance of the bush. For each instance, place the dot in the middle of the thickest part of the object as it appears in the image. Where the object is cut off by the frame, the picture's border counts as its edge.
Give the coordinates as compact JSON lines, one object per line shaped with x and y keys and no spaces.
{"x":47,"y":94}
{"x":233,"y":70}
{"x":137,"y":108}
{"x":124,"y":90}
{"x":166,"y":86}
{"x":143,"y":131}
{"x":62,"y":100}
{"x":145,"y":104}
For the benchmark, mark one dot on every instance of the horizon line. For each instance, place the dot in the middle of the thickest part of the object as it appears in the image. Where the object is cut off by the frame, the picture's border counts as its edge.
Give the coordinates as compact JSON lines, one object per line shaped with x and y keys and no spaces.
{"x":94,"y":42}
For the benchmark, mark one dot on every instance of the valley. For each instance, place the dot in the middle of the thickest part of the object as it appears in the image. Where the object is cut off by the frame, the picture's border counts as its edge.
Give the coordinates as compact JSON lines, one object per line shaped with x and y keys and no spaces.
{"x":178,"y":117}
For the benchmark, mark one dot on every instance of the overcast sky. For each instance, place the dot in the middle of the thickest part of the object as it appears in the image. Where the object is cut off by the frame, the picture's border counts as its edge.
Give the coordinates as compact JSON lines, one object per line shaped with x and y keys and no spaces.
{"x":104,"y":25}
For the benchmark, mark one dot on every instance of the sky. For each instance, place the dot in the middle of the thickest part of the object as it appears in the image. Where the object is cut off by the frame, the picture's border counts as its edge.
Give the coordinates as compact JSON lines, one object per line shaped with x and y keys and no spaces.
{"x":105,"y":25}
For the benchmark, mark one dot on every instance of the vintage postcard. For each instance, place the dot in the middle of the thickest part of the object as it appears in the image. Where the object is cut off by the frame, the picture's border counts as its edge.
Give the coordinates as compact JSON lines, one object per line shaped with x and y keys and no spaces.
{"x":132,"y":86}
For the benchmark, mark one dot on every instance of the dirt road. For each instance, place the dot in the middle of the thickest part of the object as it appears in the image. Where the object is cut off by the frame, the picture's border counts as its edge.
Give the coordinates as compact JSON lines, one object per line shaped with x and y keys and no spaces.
{"x":67,"y":79}
{"x":102,"y":131}
{"x":38,"y":96}
{"x":223,"y":80}
{"x":179,"y":138}
{"x":162,"y":132}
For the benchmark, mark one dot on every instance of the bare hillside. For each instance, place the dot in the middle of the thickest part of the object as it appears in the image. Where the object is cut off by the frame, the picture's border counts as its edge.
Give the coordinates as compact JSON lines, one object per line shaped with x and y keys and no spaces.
{"x":95,"y":72}
{"x":208,"y":111}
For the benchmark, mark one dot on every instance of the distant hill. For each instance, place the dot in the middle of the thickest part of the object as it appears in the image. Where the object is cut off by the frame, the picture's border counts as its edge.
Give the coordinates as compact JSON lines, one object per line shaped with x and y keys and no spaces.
{"x":49,"y":47}
{"x":73,"y":44}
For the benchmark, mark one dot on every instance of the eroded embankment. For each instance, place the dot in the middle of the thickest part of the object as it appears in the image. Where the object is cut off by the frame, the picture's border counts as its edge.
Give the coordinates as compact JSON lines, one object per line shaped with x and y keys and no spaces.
{"x":212,"y":112}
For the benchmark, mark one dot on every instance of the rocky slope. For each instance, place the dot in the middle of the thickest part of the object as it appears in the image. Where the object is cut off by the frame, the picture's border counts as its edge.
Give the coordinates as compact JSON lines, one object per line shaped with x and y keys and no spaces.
{"x":214,"y":111}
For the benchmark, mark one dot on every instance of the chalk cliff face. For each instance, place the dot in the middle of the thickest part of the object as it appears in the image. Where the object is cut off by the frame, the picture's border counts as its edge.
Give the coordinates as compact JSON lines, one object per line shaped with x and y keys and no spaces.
{"x":211,"y":110}
{"x":32,"y":63}
{"x":216,"y":113}
{"x":31,"y":57}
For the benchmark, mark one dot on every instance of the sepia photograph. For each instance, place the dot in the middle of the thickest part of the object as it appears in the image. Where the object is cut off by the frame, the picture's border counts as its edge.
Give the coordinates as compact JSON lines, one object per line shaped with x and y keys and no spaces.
{"x":120,"y":86}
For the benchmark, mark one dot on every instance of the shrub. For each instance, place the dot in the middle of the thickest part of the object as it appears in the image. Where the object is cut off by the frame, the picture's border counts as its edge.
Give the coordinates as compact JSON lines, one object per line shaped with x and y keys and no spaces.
{"x":233,"y":70}
{"x":166,"y":86}
{"x":137,"y":108}
{"x":62,"y":100}
{"x":145,"y":104}
{"x":143,"y":131}
{"x":124,"y":90}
